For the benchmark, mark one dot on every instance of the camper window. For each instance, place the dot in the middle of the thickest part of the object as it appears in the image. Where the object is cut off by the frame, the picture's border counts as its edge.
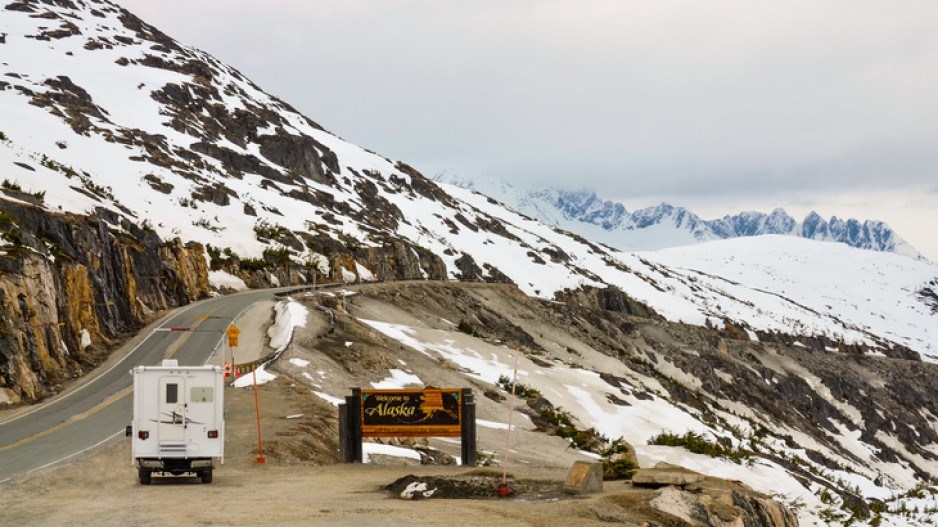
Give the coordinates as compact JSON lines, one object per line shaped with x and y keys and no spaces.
{"x":201,"y":395}
{"x":172,"y":394}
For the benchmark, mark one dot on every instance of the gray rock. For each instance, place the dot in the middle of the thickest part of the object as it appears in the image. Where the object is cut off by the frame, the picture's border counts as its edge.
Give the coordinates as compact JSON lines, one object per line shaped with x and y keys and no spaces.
{"x":662,"y":477}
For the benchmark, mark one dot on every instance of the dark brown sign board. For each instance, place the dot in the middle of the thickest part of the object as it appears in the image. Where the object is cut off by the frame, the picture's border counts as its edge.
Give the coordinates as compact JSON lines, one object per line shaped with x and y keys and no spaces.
{"x":431,"y":412}
{"x":412,"y":413}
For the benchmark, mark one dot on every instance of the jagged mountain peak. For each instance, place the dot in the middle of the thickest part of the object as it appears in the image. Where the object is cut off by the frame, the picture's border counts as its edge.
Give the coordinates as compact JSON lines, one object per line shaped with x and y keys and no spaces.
{"x":647,"y":228}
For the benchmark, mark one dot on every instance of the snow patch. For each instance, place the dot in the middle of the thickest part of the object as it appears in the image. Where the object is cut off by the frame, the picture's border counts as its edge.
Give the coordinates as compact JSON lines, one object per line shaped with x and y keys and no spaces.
{"x":289,"y":314}
{"x":225,"y":280}
{"x":369,"y":449}
{"x":398,"y":379}
{"x":263,"y":376}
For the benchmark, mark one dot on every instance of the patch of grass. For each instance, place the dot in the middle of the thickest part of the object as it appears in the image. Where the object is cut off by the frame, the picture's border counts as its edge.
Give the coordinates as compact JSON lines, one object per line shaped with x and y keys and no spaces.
{"x":698,"y":444}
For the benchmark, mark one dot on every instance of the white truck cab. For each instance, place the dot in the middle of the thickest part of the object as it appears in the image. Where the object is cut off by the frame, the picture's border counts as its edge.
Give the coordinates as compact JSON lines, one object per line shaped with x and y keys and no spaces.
{"x":178,"y":424}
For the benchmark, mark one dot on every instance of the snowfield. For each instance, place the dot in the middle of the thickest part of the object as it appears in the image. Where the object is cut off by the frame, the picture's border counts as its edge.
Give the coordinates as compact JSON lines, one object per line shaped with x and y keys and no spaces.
{"x":764,"y":284}
{"x":588,"y":399}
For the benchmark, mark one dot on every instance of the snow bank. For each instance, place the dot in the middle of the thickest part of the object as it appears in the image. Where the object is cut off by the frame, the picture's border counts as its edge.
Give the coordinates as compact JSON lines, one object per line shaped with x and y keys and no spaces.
{"x":398,"y":379}
{"x":369,"y":449}
{"x":225,"y":280}
{"x":263,"y":376}
{"x":334,"y":401}
{"x":364,"y":274}
{"x":289,"y":314}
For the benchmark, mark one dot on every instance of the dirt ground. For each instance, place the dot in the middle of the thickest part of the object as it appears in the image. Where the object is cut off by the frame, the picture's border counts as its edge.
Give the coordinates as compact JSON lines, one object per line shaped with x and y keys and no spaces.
{"x":302,"y":481}
{"x":102,"y":489}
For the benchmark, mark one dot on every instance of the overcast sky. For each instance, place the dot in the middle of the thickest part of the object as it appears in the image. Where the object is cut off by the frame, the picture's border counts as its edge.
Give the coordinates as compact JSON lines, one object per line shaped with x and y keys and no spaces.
{"x":718,"y":106}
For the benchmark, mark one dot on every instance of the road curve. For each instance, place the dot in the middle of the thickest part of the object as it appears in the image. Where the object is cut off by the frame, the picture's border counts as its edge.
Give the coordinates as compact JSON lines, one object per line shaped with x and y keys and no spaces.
{"x":96,"y":412}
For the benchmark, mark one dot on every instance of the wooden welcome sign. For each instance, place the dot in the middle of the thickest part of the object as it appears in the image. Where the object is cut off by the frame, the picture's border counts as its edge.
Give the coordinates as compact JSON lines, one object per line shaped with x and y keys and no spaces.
{"x":412,"y":413}
{"x":431,"y":412}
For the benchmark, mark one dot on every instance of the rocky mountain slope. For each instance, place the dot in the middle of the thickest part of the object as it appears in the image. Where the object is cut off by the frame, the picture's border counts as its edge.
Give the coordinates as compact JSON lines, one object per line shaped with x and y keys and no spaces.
{"x":665,"y":225}
{"x":125,"y":154}
{"x":780,"y":416}
{"x":107,"y":116}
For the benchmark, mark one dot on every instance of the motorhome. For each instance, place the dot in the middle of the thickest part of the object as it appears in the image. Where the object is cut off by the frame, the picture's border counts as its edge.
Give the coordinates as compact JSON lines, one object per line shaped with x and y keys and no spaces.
{"x":178,"y":424}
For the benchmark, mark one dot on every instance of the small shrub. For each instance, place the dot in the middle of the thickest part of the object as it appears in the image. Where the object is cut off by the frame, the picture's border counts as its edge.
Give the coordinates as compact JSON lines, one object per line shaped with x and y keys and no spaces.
{"x":253,"y":264}
{"x":466,"y":327}
{"x":11,"y":185}
{"x":698,"y":444}
{"x":15,"y":239}
{"x":616,"y":465}
{"x":521,"y":390}
{"x":278,"y":257}
{"x":264,"y":230}
{"x":3,"y":136}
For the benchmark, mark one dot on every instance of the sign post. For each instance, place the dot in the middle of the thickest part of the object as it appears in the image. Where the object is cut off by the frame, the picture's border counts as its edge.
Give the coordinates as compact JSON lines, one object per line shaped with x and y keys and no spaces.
{"x":232,"y":333}
{"x":257,"y":406}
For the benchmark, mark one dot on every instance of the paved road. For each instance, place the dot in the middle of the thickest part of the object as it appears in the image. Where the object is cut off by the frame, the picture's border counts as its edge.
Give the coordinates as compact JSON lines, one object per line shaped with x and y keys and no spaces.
{"x":98,"y":411}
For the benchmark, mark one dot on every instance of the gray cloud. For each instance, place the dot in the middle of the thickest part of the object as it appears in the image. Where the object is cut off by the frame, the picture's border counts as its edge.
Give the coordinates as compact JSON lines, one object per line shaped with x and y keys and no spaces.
{"x":678,"y":98}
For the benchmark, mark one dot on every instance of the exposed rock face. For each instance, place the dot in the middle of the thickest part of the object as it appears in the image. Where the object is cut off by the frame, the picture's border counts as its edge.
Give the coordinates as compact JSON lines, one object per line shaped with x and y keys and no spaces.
{"x":401,"y":261}
{"x":71,"y":287}
{"x":606,"y":299}
{"x":713,"y":505}
{"x":685,"y":498}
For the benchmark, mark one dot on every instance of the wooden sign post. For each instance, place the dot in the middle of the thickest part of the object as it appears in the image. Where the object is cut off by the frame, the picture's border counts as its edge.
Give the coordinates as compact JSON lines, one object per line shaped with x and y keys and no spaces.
{"x":432,"y":412}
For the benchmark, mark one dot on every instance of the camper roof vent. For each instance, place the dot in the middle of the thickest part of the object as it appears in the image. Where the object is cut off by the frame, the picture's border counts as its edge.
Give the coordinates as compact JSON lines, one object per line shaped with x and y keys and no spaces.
{"x":173,"y":363}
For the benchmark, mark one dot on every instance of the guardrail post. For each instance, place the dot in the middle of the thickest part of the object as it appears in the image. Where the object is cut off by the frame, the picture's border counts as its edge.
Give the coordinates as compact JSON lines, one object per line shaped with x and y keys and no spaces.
{"x":468,"y":429}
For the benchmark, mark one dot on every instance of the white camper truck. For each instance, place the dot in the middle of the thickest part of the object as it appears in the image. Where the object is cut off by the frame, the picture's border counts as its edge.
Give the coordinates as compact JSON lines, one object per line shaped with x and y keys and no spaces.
{"x":179,"y":424}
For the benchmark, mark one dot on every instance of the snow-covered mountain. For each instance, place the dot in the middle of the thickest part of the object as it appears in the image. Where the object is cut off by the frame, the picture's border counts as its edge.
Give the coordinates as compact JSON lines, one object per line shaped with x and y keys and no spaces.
{"x":665,"y":225}
{"x":102,"y":112}
{"x":105,"y":115}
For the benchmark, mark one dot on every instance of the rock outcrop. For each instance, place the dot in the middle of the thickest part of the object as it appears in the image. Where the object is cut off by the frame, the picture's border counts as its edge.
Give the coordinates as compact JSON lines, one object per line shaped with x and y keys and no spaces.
{"x":72,"y":287}
{"x":672,"y":495}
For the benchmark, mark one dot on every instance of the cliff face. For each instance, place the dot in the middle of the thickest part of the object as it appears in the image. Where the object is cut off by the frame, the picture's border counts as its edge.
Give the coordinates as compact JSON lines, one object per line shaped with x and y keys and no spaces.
{"x":72,"y":287}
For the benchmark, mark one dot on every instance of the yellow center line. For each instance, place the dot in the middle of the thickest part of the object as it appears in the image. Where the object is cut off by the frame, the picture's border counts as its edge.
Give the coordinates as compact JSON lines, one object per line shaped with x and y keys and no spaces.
{"x":178,"y":344}
{"x":72,"y":420}
{"x":107,"y":402}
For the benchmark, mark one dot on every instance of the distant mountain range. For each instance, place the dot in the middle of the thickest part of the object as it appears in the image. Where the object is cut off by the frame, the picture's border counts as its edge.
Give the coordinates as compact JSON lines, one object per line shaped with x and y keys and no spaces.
{"x":585,"y":213}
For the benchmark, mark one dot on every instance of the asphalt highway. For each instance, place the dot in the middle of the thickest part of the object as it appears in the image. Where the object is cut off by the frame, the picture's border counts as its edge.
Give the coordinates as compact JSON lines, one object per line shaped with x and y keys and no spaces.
{"x":97,"y":411}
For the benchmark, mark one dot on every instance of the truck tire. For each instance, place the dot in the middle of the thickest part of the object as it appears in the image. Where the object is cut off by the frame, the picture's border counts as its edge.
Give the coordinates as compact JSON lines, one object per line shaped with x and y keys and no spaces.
{"x":206,"y":476}
{"x":145,"y":476}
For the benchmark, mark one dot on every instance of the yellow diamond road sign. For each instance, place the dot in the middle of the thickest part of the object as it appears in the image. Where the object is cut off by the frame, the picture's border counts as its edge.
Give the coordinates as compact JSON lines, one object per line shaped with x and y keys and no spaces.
{"x":233,"y":333}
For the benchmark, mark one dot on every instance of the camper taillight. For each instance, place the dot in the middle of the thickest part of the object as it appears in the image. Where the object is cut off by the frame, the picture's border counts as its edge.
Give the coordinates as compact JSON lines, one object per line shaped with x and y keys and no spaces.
{"x":213,"y":434}
{"x":143,"y":434}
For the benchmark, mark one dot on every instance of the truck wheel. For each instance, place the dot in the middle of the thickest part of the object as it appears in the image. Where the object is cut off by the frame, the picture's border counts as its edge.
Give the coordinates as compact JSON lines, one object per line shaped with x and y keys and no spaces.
{"x":145,"y":476}
{"x":206,"y":476}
